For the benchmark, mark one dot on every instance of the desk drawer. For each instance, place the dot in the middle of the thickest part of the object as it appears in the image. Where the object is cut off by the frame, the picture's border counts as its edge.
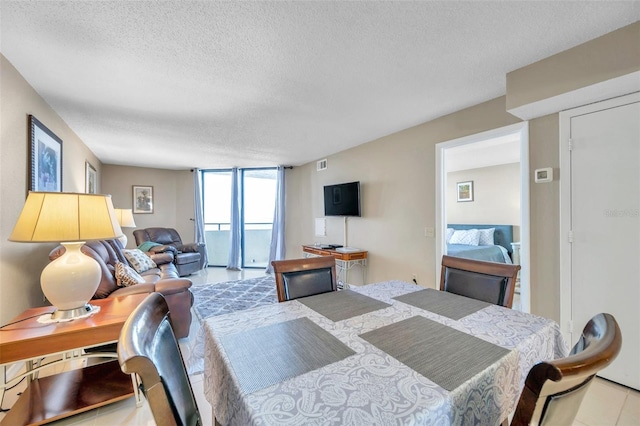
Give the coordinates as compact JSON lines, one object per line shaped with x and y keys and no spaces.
{"x":353,"y":256}
{"x":314,"y":251}
{"x":356,"y":255}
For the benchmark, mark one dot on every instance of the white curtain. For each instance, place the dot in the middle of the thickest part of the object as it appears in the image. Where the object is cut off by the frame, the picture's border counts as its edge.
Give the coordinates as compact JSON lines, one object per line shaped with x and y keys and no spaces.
{"x":236,"y":219}
{"x":277,"y":249}
{"x":199,"y":219}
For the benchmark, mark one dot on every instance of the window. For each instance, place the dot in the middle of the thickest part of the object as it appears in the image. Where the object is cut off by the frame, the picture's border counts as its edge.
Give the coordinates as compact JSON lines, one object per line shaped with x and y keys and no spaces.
{"x":258,"y":194}
{"x":216,"y":202}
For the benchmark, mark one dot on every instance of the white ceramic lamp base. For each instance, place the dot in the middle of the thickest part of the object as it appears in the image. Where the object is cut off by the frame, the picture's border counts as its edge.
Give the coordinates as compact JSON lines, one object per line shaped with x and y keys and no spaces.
{"x":70,"y":281}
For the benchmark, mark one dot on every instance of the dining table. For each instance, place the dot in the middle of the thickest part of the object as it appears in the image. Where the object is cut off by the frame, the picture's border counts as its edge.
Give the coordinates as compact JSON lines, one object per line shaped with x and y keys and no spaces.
{"x":387,"y":353}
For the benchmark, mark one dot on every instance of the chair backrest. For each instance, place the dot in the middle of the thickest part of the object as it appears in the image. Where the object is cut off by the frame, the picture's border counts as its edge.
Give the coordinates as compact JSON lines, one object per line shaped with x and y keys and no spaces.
{"x":554,"y":390}
{"x":148,"y":347}
{"x":490,"y":282}
{"x":304,"y":277}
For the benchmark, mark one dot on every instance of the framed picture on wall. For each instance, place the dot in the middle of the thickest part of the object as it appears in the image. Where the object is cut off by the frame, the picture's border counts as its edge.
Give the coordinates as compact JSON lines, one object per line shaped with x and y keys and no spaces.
{"x":465,"y":191}
{"x":90,"y":179}
{"x":45,"y":158}
{"x":142,"y":199}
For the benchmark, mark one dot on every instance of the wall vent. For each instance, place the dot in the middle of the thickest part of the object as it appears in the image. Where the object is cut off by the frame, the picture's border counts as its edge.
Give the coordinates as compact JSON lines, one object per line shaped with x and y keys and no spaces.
{"x":321,"y":165}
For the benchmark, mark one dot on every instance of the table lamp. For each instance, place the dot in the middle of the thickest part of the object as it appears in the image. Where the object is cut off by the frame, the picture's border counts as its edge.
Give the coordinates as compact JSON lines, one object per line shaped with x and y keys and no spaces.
{"x":125,"y":219}
{"x":71,"y":280}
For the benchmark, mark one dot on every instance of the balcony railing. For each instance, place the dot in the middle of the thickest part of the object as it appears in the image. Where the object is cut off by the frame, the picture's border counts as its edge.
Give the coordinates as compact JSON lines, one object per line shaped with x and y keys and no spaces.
{"x":257,"y":238}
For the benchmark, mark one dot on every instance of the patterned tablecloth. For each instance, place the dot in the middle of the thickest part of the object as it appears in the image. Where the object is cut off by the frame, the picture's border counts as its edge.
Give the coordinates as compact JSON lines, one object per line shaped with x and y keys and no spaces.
{"x":360,"y":384}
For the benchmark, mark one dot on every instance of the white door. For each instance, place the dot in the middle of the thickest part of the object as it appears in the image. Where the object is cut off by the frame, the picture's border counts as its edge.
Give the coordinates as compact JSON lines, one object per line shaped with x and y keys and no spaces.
{"x":605,"y":217}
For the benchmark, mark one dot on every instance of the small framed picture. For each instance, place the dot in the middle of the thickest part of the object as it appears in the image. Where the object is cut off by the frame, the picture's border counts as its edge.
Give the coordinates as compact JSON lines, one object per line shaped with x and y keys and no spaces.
{"x":45,"y":158}
{"x":142,"y":199}
{"x":465,"y":191}
{"x":90,"y":179}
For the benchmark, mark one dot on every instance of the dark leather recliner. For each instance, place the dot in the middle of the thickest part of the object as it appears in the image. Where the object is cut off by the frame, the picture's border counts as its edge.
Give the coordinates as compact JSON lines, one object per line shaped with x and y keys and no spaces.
{"x":188,"y":258}
{"x":163,"y":279}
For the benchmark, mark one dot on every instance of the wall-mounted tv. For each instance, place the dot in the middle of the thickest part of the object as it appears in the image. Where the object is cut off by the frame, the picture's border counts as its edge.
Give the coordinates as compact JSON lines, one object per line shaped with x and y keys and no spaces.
{"x":342,"y":199}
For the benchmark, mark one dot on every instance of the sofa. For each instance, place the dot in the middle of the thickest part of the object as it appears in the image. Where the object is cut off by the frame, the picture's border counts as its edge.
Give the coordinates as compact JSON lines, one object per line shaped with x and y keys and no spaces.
{"x":163,"y":279}
{"x":188,"y":258}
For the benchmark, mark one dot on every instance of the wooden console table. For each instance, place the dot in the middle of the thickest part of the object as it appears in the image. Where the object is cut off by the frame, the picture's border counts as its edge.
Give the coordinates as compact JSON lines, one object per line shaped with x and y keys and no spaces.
{"x":344,"y":261}
{"x":61,"y":395}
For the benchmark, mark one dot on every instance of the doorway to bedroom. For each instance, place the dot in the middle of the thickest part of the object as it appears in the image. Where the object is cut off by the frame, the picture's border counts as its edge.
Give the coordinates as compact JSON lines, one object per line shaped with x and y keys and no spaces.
{"x":482,"y":183}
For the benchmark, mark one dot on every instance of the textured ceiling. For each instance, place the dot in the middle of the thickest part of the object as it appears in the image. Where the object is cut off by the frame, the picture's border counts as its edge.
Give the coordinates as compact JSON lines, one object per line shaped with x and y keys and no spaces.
{"x":179,"y":84}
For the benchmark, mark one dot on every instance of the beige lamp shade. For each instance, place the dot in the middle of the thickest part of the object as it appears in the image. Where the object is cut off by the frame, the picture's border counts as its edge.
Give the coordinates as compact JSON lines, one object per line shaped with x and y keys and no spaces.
{"x":64,"y":216}
{"x":71,"y":280}
{"x":125,"y":218}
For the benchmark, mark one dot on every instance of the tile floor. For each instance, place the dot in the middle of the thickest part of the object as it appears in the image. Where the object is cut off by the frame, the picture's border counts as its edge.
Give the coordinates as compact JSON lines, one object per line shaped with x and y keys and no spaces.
{"x":606,"y":403}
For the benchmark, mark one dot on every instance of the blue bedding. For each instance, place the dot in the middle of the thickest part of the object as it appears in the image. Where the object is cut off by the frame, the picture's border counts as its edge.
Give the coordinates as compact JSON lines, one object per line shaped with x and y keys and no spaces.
{"x":500,"y":252}
{"x":486,"y":253}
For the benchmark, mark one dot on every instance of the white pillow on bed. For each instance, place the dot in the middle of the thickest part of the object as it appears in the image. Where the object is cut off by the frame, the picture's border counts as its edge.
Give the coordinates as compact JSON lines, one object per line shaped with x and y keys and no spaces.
{"x":486,"y":237}
{"x":449,"y":234}
{"x":470,"y":237}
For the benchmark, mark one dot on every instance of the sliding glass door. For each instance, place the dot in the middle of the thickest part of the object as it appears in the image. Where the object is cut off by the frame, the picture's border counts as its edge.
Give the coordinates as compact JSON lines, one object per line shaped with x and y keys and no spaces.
{"x":216,"y":202}
{"x":257,"y":194}
{"x":259,"y":198}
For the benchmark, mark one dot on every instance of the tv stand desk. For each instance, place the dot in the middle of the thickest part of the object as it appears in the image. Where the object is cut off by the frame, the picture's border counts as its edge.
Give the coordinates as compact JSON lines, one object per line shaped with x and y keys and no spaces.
{"x":345,"y":260}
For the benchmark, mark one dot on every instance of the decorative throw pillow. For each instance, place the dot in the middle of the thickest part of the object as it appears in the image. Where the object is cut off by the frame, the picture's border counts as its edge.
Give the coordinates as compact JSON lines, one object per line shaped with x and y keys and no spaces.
{"x":449,"y":234}
{"x":486,"y":237}
{"x":140,"y":261}
{"x":469,"y":237}
{"x":126,"y":276}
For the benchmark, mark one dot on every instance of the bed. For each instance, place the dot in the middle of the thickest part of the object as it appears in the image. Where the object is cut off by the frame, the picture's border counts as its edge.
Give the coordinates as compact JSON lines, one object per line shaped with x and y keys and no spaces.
{"x":491,"y":246}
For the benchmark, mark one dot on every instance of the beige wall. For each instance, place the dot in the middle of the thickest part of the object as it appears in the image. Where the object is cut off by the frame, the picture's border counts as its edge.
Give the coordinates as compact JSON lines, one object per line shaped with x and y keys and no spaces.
{"x":544,"y":210}
{"x":397,"y":175}
{"x":612,"y":55}
{"x":21,"y":263}
{"x":398,"y":170}
{"x":172,"y":197}
{"x":496,"y":198}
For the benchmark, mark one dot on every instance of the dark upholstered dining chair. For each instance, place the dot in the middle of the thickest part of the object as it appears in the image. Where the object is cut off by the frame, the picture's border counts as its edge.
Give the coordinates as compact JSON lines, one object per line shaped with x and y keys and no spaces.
{"x":490,"y":282}
{"x":148,"y":348}
{"x":554,"y":390}
{"x":304,"y":277}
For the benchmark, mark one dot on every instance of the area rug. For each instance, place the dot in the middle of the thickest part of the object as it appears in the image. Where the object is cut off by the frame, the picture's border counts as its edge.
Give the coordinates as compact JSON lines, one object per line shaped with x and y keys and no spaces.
{"x":222,"y":298}
{"x":215,"y":299}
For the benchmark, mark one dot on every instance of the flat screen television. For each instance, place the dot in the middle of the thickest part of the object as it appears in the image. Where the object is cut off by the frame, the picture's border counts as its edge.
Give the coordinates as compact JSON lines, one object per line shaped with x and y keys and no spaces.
{"x":342,"y":199}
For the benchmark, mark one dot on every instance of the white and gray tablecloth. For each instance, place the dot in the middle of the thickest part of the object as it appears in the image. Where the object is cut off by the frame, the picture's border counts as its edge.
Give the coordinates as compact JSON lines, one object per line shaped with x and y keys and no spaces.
{"x":367,"y":386}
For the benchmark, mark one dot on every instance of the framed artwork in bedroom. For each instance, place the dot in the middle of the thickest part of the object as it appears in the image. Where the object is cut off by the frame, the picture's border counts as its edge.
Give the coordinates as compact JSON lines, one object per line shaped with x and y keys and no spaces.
{"x":465,"y":191}
{"x":142,"y":199}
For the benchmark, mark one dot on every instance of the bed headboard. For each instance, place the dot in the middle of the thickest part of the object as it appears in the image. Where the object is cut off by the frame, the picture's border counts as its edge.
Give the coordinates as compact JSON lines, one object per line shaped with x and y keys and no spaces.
{"x":502,"y":236}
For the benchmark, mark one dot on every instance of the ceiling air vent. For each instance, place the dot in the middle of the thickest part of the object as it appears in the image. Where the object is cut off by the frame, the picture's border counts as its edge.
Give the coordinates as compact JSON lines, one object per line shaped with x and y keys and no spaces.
{"x":321,"y":165}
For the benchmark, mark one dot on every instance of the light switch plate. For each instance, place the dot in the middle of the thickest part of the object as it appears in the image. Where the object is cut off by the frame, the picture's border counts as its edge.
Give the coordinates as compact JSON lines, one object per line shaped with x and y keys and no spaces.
{"x":543,"y":175}
{"x":321,"y":227}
